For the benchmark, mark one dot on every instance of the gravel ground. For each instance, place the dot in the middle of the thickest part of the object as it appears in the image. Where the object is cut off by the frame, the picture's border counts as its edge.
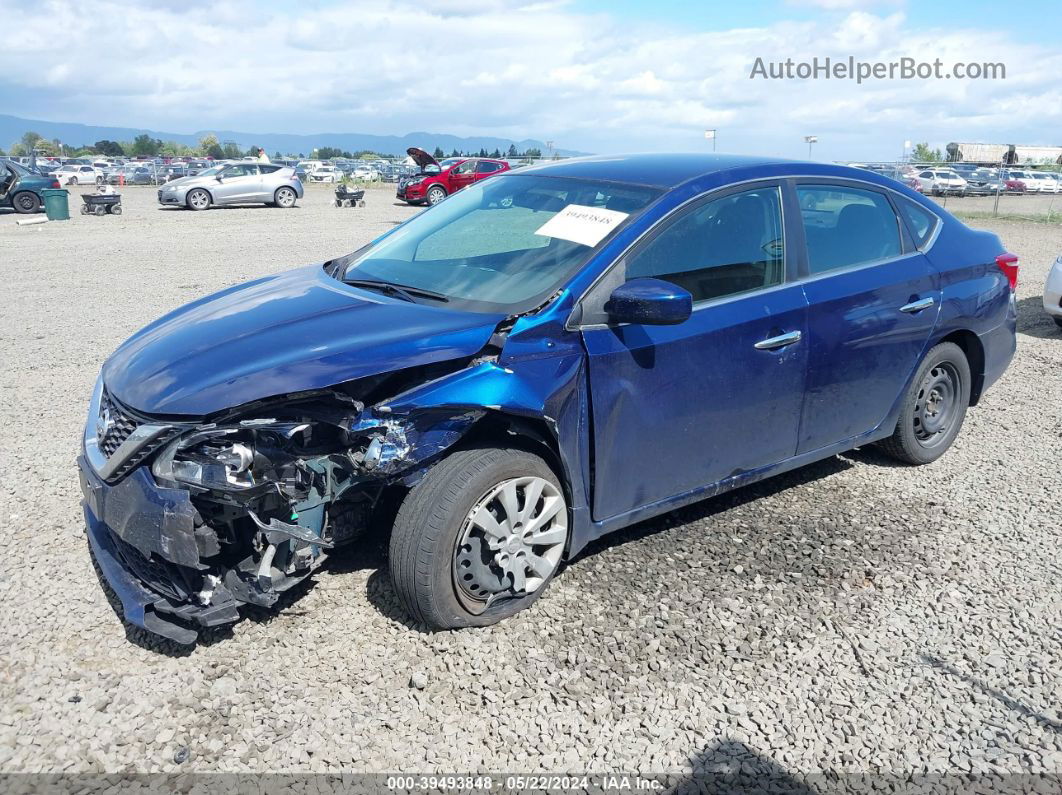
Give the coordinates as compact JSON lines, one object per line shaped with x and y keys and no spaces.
{"x":850,"y":616}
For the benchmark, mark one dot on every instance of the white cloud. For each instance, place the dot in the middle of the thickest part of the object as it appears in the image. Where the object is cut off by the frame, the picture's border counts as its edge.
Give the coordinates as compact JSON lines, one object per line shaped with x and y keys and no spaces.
{"x":519,"y":69}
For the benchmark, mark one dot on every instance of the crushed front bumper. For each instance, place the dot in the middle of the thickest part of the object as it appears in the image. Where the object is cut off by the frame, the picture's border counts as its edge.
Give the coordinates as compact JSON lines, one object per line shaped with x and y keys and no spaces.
{"x":143,"y":537}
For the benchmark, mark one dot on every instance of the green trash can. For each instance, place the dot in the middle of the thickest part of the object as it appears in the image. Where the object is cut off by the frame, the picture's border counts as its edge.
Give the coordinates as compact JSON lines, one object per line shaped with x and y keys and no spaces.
{"x":56,"y":204}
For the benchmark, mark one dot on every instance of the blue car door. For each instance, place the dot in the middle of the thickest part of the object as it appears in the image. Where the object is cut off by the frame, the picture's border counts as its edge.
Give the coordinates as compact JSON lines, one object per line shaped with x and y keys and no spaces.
{"x":873,"y":300}
{"x":677,"y":408}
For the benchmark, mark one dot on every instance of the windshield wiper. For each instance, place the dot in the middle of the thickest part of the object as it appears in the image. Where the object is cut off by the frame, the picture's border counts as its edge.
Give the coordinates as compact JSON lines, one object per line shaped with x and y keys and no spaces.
{"x":403,"y":291}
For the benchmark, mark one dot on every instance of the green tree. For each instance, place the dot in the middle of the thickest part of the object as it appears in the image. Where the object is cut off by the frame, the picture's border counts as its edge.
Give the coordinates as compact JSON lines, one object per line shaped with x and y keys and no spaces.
{"x":455,"y":153}
{"x":144,"y":144}
{"x":512,"y":151}
{"x":496,"y":153}
{"x":277,"y":155}
{"x":209,"y":147}
{"x":923,"y":154}
{"x":533,"y":152}
{"x":438,"y":154}
{"x":230,"y":151}
{"x":109,"y":148}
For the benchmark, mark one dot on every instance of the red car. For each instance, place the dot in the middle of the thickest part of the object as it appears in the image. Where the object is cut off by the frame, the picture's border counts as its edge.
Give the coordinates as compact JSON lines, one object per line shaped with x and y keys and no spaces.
{"x":434,"y":183}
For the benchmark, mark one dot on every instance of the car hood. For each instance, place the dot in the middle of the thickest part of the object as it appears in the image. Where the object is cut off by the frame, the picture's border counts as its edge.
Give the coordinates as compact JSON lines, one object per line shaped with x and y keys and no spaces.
{"x":189,"y":181}
{"x":421,"y":158}
{"x":295,"y":331}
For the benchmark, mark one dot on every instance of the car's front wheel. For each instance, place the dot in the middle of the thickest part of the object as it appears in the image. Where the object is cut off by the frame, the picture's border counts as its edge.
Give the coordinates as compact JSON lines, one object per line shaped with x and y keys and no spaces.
{"x":284,"y":197}
{"x":198,"y":199}
{"x":933,"y":408}
{"x":26,"y":202}
{"x":436,"y":194}
{"x":479,"y":538}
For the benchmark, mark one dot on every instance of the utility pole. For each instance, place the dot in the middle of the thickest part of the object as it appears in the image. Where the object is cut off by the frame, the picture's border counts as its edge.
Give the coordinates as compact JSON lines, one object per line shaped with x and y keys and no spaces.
{"x":710,"y":135}
{"x":810,"y":140}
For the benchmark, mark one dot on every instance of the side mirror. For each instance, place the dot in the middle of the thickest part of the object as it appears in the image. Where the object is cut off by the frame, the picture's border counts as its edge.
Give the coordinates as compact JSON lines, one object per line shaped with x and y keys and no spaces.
{"x":217,"y":177}
{"x":649,"y":302}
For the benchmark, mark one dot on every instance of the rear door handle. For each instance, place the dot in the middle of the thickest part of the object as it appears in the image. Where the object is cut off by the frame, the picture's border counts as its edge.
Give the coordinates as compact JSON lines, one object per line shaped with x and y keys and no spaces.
{"x":917,"y":306}
{"x":779,"y":341}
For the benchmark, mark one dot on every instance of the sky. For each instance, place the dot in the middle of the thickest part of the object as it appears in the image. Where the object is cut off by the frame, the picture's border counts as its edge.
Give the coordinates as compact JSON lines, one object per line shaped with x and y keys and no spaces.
{"x":591,"y":75}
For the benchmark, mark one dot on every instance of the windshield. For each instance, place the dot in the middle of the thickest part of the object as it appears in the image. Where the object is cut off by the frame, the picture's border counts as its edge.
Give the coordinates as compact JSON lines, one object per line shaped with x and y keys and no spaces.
{"x":210,"y":172}
{"x":502,"y":245}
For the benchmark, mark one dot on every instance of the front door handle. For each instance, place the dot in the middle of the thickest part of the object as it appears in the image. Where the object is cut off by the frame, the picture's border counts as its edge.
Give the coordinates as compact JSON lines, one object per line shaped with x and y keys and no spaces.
{"x":917,"y":306}
{"x":779,"y":342}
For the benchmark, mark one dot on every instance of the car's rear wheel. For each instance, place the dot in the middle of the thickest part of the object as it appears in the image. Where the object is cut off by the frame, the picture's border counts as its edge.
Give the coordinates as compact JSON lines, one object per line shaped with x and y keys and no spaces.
{"x":284,"y":197}
{"x":72,"y":181}
{"x":198,"y":199}
{"x":479,"y":538}
{"x":933,"y":408}
{"x":26,"y":202}
{"x":436,"y":194}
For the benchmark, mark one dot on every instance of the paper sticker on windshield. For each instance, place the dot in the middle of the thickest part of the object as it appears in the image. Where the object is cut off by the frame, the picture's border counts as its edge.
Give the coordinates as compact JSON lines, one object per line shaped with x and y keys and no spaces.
{"x":581,"y":224}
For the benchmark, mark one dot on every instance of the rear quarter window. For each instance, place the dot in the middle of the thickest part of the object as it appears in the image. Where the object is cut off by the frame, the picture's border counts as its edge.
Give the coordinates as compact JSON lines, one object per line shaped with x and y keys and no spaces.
{"x":920,"y":222}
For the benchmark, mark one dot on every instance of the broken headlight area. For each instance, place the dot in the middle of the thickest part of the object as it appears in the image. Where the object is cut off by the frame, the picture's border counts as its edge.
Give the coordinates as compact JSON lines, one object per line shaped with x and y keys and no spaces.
{"x":274,"y":495}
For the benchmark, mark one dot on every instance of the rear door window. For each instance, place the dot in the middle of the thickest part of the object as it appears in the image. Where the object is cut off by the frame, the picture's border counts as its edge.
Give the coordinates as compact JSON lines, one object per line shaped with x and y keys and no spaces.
{"x":847,"y":226}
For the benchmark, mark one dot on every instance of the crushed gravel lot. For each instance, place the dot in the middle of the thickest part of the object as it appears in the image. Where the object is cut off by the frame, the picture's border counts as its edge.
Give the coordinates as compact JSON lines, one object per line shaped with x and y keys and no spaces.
{"x":854,"y":615}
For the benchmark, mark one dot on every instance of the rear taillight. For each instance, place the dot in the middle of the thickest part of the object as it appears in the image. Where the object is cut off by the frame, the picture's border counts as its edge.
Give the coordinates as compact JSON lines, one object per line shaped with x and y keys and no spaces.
{"x":55,"y":183}
{"x":1008,"y":263}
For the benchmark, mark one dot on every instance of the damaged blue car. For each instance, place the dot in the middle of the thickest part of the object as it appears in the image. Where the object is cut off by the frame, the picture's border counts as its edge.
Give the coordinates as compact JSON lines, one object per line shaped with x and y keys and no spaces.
{"x":544,"y":357}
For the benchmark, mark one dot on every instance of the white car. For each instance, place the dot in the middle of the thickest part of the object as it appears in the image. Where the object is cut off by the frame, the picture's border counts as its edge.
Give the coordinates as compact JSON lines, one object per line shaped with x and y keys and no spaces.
{"x":366,"y":173}
{"x":1053,"y":292}
{"x":323,"y":174}
{"x":1046,"y":183}
{"x":71,"y":174}
{"x":941,"y":181}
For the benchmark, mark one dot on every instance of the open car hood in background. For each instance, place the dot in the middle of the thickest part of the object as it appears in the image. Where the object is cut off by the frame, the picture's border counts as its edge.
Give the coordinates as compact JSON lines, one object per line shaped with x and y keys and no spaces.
{"x":421,"y":158}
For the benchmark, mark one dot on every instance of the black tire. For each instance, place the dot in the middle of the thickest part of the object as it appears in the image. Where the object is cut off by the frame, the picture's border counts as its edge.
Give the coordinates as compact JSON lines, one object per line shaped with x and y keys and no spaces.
{"x":26,"y":202}
{"x":426,"y":531}
{"x":72,"y":181}
{"x":435,"y":194}
{"x":99,"y":180}
{"x":197,"y":199}
{"x":284,"y":197}
{"x":116,"y":209}
{"x":924,"y":433}
{"x":1058,"y":321}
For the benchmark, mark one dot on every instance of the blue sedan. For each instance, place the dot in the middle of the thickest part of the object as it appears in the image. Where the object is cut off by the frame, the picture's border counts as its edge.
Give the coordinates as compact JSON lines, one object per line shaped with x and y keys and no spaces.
{"x":543,"y":358}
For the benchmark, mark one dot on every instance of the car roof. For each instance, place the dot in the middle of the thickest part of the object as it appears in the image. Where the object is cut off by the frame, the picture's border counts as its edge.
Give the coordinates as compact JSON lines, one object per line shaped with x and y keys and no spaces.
{"x":658,"y":170}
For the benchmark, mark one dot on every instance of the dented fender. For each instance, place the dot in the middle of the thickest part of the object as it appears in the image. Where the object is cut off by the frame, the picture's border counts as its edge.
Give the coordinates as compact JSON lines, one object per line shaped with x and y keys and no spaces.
{"x":535,"y":378}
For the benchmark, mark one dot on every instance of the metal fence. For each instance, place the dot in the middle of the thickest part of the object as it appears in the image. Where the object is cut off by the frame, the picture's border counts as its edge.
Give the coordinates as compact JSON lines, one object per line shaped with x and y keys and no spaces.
{"x":974,"y":189}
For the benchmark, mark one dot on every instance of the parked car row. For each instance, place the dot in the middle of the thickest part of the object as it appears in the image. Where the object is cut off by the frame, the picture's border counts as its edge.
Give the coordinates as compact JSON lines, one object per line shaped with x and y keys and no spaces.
{"x":967,"y":179}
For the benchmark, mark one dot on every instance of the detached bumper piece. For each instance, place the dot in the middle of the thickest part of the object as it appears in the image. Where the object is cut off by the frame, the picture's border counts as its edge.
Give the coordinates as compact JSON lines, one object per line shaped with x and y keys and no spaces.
{"x":166,"y":566}
{"x":149,"y":549}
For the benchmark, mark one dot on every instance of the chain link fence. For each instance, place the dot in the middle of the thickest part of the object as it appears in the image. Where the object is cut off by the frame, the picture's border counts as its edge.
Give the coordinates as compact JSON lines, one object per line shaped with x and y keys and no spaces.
{"x":973,"y":189}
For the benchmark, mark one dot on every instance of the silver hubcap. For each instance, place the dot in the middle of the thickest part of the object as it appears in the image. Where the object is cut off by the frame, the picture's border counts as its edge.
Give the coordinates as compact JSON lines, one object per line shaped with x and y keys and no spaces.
{"x":285,"y":198}
{"x":198,"y":200}
{"x":435,"y":196}
{"x":511,"y":542}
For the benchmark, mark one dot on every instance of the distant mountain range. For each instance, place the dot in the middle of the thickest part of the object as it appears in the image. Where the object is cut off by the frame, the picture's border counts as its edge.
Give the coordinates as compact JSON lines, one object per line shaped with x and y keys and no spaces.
{"x":12,"y":128}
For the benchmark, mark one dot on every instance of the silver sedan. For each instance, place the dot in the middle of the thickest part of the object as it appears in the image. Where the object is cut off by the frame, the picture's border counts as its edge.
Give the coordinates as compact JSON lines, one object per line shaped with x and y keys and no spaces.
{"x":234,"y":183}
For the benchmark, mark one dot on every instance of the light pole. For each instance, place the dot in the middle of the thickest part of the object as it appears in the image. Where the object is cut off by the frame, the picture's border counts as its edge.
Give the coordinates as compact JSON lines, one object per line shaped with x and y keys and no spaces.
{"x":810,"y":140}
{"x":710,"y":135}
